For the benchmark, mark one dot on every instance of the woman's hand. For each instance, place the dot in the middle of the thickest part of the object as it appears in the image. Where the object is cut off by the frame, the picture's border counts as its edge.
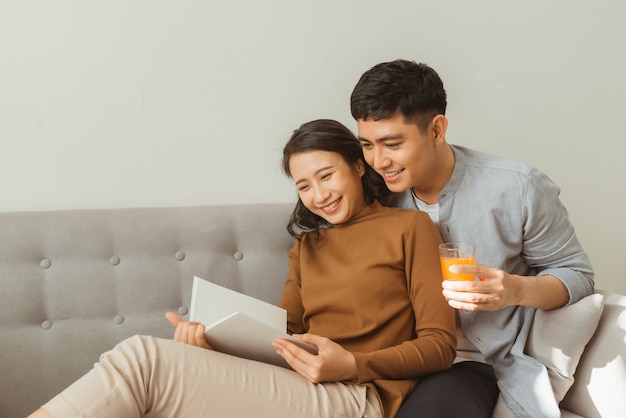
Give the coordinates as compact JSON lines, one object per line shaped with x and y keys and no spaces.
{"x":188,"y":332}
{"x":331,"y":364}
{"x":498,"y":289}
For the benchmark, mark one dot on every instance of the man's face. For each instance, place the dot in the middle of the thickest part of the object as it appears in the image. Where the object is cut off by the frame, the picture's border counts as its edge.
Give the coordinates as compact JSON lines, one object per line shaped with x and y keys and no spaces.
{"x":399,"y":152}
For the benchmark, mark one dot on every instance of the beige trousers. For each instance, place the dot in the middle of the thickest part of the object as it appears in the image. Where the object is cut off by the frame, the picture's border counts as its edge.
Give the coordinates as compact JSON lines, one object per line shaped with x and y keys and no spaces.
{"x":151,"y":377}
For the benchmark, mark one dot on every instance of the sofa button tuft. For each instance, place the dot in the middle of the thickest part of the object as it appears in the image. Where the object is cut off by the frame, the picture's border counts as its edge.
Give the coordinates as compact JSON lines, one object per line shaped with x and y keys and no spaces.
{"x":238,"y":256}
{"x":115,"y":260}
{"x":45,"y":264}
{"x":183,"y":310}
{"x":180,"y":255}
{"x":47,"y":324}
{"x":118,"y":319}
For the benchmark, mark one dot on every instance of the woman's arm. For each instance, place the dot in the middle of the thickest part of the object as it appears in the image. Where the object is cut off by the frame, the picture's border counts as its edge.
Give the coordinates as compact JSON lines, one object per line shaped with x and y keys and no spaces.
{"x":291,"y":299}
{"x":434,"y":347}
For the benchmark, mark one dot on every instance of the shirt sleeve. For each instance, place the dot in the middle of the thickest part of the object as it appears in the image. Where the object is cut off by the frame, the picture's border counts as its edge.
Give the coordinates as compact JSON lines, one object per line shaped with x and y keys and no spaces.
{"x":550,"y":245}
{"x":434,"y":347}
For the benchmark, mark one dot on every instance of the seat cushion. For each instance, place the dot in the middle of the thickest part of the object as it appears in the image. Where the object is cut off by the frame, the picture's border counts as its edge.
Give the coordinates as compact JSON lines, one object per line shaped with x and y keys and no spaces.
{"x":558,"y":338}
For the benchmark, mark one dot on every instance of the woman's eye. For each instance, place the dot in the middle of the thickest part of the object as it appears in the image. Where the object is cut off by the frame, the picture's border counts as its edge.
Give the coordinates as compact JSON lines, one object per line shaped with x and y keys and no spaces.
{"x":327,"y":176}
{"x":303,"y":188}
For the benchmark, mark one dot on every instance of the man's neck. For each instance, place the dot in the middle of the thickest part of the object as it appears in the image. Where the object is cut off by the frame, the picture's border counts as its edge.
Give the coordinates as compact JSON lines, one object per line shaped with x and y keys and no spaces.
{"x":428,"y":198}
{"x":443,"y":173}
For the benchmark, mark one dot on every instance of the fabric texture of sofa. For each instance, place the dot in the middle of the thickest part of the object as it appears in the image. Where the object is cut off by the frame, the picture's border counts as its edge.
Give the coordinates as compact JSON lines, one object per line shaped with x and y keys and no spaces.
{"x":75,"y":283}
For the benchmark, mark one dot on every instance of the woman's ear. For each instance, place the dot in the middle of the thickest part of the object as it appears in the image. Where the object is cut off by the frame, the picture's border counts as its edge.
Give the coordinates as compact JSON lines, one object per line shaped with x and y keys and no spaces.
{"x":438,"y":128}
{"x":360,"y":168}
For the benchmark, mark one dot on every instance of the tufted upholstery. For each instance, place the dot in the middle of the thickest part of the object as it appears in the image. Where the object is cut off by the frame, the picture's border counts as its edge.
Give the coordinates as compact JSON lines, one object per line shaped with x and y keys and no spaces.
{"x":75,"y":283}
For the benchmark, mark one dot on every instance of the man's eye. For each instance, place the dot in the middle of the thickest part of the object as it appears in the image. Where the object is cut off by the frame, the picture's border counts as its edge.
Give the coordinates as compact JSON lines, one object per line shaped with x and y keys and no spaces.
{"x":366,"y":145}
{"x":393,"y":145}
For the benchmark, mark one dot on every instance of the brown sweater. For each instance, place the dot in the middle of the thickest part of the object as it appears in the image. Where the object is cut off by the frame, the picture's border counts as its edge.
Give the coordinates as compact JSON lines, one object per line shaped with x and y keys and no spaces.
{"x":373,"y":285}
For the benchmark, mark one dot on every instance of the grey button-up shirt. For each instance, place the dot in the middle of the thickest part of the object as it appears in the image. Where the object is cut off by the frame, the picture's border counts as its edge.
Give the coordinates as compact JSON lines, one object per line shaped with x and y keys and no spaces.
{"x":512,"y":212}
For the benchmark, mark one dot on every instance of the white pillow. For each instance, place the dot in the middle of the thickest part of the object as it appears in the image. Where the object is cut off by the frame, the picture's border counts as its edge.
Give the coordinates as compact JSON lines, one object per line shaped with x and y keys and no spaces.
{"x":558,"y":338}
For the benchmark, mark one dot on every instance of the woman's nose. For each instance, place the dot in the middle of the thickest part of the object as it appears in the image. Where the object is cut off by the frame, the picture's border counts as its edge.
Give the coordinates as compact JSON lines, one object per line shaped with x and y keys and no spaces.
{"x":321,"y":194}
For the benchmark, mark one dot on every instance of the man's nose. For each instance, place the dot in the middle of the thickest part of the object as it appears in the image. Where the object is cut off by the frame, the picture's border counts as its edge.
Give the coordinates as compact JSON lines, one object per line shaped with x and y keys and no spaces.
{"x":379,"y":158}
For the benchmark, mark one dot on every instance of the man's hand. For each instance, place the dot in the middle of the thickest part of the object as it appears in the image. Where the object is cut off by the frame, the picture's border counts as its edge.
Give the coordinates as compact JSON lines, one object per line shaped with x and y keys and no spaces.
{"x":331,"y":364}
{"x":188,"y":332}
{"x":498,"y":289}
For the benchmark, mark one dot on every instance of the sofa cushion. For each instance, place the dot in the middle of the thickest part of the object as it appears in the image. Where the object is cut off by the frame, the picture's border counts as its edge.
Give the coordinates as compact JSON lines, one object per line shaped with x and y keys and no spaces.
{"x":601,"y":374}
{"x":502,"y":411}
{"x":558,"y":338}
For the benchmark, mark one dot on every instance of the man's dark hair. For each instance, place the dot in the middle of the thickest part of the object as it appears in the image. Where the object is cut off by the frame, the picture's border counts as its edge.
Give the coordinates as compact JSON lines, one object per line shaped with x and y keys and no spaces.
{"x":415,"y":90}
{"x":332,"y":136}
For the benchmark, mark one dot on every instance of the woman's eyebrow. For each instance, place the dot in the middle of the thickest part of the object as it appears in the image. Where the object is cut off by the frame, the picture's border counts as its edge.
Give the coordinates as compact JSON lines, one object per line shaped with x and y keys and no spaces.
{"x":316,"y":172}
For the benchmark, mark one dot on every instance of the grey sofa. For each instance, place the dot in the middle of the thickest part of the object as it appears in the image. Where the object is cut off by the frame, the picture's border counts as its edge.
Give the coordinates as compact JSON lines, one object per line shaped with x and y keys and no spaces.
{"x":75,"y":283}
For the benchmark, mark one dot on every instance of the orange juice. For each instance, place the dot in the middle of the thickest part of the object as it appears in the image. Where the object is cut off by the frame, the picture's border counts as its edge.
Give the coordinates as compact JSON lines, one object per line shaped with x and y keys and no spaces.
{"x":448,"y":261}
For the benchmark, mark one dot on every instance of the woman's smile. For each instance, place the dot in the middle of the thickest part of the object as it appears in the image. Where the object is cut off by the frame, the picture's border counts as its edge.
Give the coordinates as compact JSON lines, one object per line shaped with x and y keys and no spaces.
{"x":331,"y":207}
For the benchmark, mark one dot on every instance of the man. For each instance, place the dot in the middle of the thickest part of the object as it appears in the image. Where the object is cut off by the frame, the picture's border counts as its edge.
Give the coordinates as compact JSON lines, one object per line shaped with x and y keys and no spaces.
{"x":529,"y":255}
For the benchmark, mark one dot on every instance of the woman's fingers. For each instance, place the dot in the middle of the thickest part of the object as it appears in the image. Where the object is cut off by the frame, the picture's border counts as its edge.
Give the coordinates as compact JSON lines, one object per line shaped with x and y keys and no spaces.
{"x":173,"y":318}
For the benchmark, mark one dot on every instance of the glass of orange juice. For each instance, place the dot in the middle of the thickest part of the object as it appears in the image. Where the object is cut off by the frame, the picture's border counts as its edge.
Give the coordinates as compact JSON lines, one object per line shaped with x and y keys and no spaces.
{"x":456,"y":253}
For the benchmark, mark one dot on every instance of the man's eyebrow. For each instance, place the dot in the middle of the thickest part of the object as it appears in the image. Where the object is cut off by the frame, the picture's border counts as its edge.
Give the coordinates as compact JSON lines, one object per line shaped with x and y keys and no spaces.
{"x":316,"y":172}
{"x":390,"y":137}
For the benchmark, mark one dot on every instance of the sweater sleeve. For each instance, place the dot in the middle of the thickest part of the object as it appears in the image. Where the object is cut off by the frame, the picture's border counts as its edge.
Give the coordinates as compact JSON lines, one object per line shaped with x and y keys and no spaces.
{"x":291,"y":299}
{"x":434,"y":347}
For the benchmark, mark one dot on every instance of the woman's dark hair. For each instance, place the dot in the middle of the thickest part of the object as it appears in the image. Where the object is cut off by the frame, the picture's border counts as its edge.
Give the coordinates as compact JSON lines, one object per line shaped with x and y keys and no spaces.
{"x":332,"y":136}
{"x":415,"y":90}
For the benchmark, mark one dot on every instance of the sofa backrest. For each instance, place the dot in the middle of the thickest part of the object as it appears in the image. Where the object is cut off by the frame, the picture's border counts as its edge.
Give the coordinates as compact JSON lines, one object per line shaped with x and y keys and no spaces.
{"x":75,"y":283}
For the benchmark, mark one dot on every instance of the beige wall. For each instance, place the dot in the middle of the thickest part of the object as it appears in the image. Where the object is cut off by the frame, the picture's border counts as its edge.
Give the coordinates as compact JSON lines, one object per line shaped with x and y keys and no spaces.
{"x":168,"y":103}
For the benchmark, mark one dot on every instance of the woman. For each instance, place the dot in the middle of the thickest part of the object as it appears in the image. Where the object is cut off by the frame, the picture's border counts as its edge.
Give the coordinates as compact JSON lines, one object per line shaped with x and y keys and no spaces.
{"x":364,"y":287}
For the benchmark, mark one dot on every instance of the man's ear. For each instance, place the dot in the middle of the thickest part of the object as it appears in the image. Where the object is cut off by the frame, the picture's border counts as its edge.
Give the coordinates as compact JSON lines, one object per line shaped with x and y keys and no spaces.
{"x":438,"y":128}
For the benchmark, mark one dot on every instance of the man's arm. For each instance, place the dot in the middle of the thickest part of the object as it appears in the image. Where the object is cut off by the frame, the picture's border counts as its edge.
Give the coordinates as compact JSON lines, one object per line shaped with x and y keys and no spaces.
{"x":498,"y":289}
{"x":560,"y":271}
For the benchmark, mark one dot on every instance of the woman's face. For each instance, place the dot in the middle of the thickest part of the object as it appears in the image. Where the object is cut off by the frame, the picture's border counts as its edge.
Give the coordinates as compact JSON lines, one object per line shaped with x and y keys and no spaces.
{"x":327,"y":185}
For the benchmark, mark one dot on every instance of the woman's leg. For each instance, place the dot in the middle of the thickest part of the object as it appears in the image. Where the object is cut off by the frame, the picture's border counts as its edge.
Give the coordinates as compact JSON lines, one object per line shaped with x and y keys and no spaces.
{"x":469,"y":389}
{"x":145,"y":376}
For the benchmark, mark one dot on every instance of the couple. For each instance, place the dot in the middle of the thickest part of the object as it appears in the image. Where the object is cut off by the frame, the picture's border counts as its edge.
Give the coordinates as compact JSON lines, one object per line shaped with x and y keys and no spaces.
{"x":372,"y":302}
